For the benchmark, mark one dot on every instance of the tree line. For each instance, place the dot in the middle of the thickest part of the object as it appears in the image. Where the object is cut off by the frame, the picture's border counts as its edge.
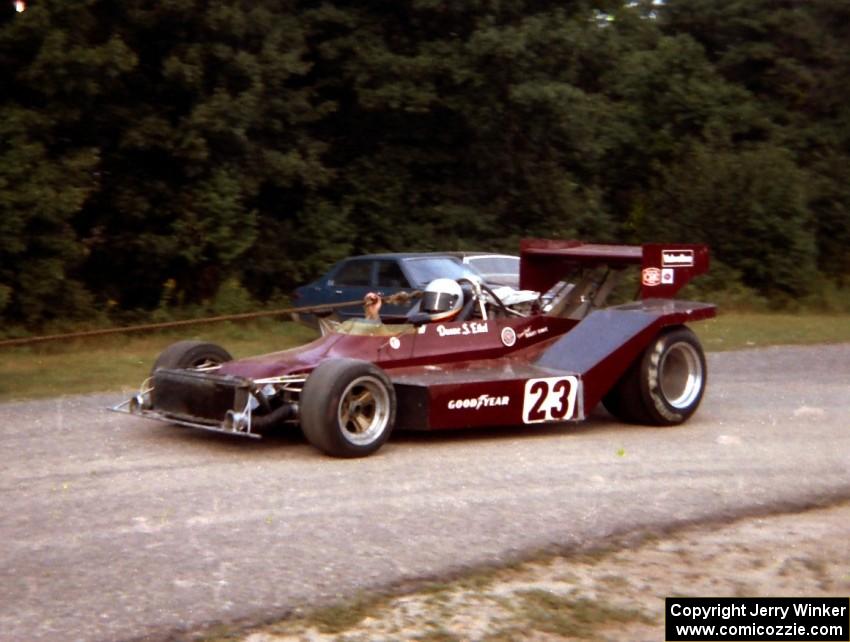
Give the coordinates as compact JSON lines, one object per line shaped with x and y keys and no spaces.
{"x":153,"y":152}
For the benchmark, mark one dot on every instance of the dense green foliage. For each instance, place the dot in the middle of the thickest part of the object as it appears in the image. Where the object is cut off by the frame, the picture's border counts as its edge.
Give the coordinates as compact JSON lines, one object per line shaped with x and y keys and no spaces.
{"x":152,"y":153}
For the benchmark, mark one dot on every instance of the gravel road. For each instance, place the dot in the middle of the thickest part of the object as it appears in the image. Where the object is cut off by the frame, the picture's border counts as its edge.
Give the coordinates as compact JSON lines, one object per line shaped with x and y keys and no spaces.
{"x":114,"y":528}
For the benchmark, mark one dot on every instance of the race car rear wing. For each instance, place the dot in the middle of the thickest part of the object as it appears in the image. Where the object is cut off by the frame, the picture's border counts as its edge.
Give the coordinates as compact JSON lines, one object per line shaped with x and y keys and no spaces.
{"x":665,"y":267}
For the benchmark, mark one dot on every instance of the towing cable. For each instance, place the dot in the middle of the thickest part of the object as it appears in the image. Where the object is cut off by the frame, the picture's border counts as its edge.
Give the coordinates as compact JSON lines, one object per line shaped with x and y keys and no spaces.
{"x":393,"y":299}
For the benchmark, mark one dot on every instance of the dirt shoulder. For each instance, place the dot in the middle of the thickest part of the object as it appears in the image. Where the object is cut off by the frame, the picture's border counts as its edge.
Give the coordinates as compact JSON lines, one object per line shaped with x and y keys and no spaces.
{"x":615,"y":595}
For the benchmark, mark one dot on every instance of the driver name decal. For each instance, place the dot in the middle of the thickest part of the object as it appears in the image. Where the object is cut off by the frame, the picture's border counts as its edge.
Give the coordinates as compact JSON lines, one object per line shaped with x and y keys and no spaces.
{"x":551,"y":399}
{"x":464,"y":329}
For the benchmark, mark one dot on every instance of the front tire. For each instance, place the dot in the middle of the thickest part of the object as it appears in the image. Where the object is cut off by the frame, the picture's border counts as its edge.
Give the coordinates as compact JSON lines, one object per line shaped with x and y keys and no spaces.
{"x":348,"y":408}
{"x":665,"y":385}
{"x":191,"y":354}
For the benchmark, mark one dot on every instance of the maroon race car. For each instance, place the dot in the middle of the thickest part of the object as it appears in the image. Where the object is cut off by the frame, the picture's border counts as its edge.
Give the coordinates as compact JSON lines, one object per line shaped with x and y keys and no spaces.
{"x":466,"y":358}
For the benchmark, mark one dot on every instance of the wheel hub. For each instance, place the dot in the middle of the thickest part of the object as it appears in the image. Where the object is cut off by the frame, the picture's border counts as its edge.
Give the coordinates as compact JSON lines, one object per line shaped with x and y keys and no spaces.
{"x":681,"y":375}
{"x":363,"y":410}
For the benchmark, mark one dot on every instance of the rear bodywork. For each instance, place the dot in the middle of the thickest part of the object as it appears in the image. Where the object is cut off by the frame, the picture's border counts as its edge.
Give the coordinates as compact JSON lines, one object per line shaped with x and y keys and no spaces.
{"x":552,"y":366}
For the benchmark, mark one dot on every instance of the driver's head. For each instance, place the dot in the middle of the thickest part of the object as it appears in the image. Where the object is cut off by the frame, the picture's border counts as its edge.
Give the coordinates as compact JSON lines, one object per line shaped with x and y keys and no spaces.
{"x":442,"y":299}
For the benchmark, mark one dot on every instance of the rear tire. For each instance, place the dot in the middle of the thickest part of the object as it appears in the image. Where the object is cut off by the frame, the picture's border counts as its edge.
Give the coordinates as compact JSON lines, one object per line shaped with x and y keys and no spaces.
{"x":191,"y":354}
{"x":348,"y":408}
{"x":665,"y":385}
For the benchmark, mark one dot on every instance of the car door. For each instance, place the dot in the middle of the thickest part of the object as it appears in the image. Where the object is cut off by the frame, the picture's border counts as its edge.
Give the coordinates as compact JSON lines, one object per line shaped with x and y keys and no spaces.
{"x":351,"y":282}
{"x":389,"y":279}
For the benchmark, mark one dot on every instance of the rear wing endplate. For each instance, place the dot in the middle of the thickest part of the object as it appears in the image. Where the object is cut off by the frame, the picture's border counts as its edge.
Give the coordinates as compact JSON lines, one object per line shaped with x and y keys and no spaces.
{"x":665,"y":267}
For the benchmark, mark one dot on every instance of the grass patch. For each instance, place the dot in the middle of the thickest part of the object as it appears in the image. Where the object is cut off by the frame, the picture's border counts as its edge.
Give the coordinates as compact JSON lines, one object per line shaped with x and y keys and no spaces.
{"x":122,"y":362}
{"x":438,"y":634}
{"x":342,"y":616}
{"x":508,"y":634}
{"x":737,"y":330}
{"x":552,"y":613}
{"x":220,"y":633}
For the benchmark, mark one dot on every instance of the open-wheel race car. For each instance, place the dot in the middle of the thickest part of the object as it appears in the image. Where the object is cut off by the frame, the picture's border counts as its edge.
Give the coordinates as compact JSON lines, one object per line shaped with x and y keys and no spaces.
{"x":464,"y":358}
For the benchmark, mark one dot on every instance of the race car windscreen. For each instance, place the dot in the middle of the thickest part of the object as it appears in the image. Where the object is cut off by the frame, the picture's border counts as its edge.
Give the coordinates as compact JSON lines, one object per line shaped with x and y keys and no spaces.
{"x":424,"y":270}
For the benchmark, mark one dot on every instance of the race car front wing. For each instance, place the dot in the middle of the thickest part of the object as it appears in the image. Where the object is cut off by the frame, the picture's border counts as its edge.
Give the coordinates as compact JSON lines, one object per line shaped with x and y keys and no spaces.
{"x":204,"y":400}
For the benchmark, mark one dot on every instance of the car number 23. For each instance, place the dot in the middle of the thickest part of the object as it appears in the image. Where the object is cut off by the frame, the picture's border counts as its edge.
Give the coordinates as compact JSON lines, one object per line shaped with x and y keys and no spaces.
{"x":550,"y":399}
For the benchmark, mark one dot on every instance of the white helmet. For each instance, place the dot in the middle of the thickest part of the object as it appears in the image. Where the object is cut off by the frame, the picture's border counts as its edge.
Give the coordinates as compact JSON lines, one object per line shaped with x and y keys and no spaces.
{"x":442,"y":299}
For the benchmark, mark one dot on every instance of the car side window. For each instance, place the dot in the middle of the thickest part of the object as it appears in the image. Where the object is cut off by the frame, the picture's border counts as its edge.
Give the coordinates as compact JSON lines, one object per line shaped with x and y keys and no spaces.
{"x":391,"y":276}
{"x":495,"y":264}
{"x":354,"y":273}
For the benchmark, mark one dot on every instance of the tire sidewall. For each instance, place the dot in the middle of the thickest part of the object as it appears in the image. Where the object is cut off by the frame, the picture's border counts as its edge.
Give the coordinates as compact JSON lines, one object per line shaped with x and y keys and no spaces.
{"x":186,"y":354}
{"x":655,"y":402}
{"x":320,"y":402}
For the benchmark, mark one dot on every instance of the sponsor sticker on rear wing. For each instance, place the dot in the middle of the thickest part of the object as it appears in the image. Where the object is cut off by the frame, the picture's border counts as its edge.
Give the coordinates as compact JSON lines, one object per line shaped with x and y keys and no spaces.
{"x":665,"y":267}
